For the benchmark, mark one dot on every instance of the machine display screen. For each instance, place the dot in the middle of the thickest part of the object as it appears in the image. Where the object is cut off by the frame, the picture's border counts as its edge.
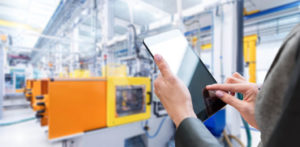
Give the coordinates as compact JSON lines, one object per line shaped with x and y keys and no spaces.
{"x":130,"y":100}
{"x":185,"y":63}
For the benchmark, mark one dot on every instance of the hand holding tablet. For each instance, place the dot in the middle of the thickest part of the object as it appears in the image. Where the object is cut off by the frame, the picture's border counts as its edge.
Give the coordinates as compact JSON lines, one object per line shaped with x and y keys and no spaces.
{"x":173,"y":94}
{"x":182,"y":62}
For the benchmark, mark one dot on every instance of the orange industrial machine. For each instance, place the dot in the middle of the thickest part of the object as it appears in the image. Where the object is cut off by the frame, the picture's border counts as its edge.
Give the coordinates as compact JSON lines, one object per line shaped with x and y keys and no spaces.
{"x":72,"y":106}
{"x":36,"y":90}
{"x":76,"y":106}
{"x":28,"y":89}
{"x":42,"y":102}
{"x":40,"y":88}
{"x":42,"y":112}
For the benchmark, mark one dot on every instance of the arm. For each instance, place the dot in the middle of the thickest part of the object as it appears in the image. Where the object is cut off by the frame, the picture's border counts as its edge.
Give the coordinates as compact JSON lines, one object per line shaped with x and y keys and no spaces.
{"x":192,"y":133}
{"x":286,"y":131}
{"x":176,"y":99}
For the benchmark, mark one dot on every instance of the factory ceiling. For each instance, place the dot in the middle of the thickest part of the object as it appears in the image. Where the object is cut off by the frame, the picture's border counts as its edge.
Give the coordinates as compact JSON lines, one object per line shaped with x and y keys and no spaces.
{"x":28,"y":21}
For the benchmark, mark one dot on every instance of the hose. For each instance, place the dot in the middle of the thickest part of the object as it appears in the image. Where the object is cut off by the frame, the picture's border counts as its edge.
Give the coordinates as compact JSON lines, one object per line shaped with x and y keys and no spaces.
{"x":157,"y":131}
{"x":246,"y":125}
{"x":17,"y":122}
{"x":228,"y":137}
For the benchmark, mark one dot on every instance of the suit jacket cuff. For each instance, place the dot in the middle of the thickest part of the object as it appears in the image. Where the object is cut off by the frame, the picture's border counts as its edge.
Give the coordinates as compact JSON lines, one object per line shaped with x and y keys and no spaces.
{"x":192,"y":133}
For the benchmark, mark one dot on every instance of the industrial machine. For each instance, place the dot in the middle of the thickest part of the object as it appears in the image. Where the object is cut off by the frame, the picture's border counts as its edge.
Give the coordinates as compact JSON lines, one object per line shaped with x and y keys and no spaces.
{"x":42,"y":102}
{"x":28,"y":89}
{"x":71,"y":107}
{"x":36,"y":92}
{"x":113,"y":98}
{"x":15,"y":81}
{"x":39,"y":89}
{"x":76,"y":106}
{"x":128,"y":99}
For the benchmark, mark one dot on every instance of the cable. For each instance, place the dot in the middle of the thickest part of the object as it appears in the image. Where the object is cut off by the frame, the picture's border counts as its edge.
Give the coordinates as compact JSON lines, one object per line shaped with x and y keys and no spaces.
{"x":246,"y":125}
{"x":236,"y":139}
{"x":227,"y":139}
{"x":157,"y":131}
{"x":17,"y":122}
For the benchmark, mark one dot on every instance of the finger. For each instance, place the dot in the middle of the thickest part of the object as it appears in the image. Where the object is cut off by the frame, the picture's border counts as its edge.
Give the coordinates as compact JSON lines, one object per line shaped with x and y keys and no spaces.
{"x":159,"y":83}
{"x":233,"y":80}
{"x":157,"y":92}
{"x":237,"y":75}
{"x":159,"y":77}
{"x":240,"y":87}
{"x":230,"y":100}
{"x":163,"y":66}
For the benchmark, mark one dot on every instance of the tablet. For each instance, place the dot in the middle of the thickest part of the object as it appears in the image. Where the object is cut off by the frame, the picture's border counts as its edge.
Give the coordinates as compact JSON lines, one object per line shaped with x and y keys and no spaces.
{"x":187,"y":65}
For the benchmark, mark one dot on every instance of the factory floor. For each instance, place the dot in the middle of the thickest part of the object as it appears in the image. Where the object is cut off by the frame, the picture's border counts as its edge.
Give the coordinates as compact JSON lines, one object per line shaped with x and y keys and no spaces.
{"x":26,"y":134}
{"x":30,"y":134}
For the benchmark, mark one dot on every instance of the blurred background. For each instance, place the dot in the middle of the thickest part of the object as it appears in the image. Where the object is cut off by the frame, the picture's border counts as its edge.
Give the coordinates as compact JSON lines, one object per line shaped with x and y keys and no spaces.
{"x":76,"y":72}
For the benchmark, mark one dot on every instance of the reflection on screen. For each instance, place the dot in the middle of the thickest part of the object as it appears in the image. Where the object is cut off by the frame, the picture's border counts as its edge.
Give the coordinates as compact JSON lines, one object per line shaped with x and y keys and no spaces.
{"x":172,"y":51}
{"x":187,"y":66}
{"x":194,"y":74}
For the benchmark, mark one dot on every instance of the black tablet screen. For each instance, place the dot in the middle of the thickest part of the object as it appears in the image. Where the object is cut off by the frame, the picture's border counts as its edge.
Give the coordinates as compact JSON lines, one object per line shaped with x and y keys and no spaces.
{"x":185,"y":63}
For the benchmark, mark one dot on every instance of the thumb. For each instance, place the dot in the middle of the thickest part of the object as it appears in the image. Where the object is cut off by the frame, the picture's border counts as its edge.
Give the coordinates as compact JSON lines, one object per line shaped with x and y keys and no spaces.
{"x":230,"y":100}
{"x":163,"y":66}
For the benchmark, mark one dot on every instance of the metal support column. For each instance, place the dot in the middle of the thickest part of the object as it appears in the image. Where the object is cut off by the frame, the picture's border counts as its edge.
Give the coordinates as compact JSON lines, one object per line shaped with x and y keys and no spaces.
{"x":240,"y":35}
{"x":106,"y":16}
{"x":225,"y":53}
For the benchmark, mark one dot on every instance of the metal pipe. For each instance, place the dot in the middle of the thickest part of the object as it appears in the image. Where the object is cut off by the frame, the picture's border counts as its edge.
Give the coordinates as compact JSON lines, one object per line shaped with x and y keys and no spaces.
{"x":255,"y":15}
{"x":57,"y":11}
{"x":240,"y":35}
{"x":273,"y":10}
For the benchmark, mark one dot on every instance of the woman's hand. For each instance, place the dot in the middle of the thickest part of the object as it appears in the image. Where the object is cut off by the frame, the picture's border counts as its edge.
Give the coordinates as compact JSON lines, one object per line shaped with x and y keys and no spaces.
{"x":235,"y":84}
{"x":172,"y":93}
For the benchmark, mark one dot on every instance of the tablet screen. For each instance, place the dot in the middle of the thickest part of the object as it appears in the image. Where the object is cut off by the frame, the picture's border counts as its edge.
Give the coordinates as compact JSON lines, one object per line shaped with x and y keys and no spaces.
{"x":186,"y":64}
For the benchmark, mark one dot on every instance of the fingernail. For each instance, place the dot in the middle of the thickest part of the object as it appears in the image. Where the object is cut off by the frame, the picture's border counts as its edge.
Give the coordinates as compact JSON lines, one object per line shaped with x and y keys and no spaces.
{"x":157,"y":57}
{"x":219,"y":93}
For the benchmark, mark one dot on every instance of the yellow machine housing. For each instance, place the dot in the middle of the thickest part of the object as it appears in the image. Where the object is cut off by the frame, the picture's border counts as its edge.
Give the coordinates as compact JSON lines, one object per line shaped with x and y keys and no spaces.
{"x":128,"y":100}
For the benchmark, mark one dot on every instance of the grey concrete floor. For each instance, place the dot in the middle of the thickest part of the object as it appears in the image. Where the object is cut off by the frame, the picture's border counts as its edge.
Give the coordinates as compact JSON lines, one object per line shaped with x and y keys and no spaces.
{"x":26,"y":134}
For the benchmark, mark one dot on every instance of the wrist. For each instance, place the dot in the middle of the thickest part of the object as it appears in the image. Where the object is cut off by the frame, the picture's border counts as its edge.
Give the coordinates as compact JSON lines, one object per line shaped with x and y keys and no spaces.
{"x":180,"y":117}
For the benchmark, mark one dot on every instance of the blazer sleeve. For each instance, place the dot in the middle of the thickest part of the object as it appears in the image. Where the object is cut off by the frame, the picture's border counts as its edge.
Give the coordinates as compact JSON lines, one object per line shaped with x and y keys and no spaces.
{"x":192,"y":133}
{"x":286,"y":132}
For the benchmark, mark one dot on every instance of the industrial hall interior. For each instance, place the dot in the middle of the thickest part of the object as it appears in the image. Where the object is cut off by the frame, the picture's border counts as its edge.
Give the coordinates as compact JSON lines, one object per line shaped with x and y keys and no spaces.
{"x":149,"y":73}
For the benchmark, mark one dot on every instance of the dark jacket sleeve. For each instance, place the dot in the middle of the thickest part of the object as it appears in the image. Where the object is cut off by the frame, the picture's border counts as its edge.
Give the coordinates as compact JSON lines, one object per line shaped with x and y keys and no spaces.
{"x":286,"y":132}
{"x":192,"y":133}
